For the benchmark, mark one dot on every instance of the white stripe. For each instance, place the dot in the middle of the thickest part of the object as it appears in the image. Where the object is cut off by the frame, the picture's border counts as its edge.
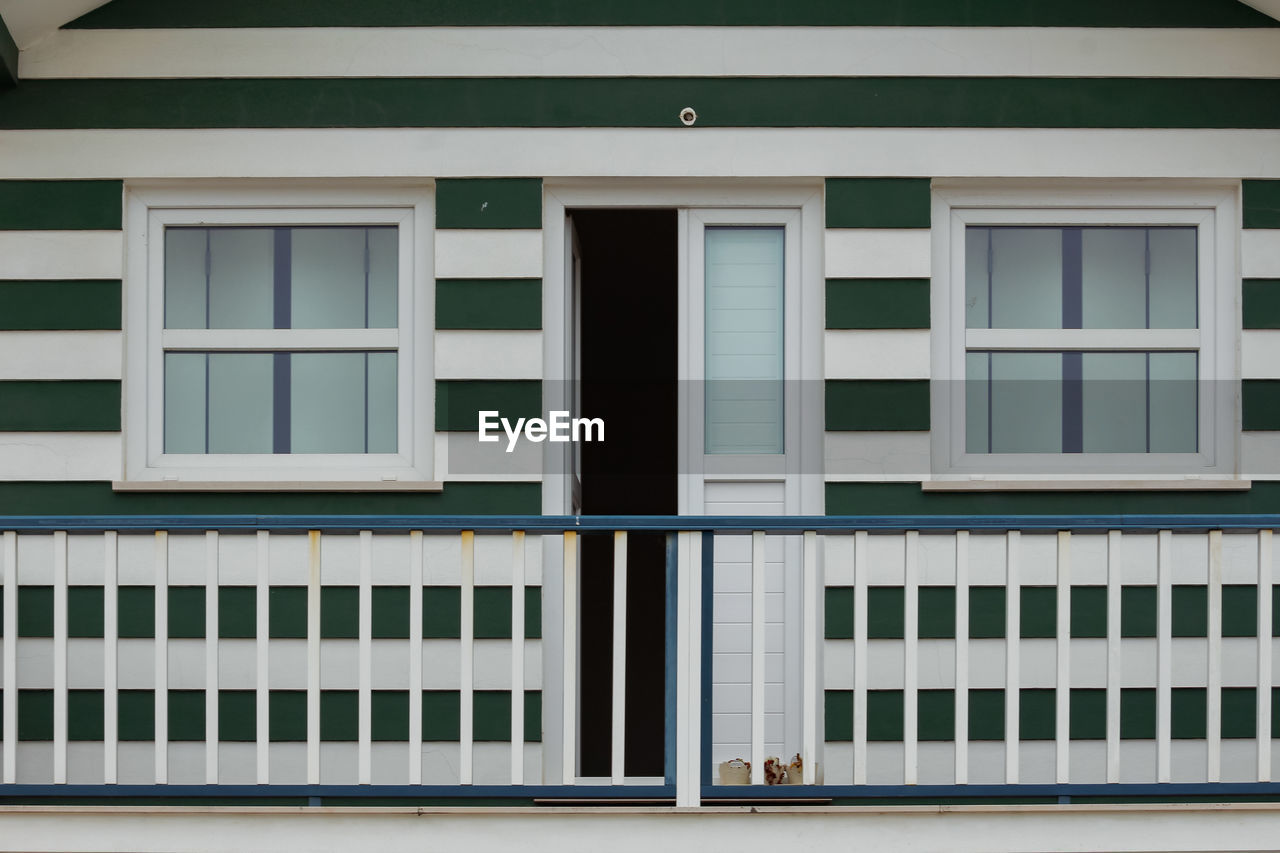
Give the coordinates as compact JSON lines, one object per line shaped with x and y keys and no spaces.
{"x":757,"y":657}
{"x":59,"y":656}
{"x":60,"y":254}
{"x":110,"y":628}
{"x":364,"y":769}
{"x":416,"y":554}
{"x":910,"y":659}
{"x":313,"y":657}
{"x":1260,"y":354}
{"x":10,"y":657}
{"x":162,"y":657}
{"x":488,"y":253}
{"x":1012,"y":672}
{"x":1213,"y":713}
{"x":875,"y":456}
{"x":962,"y":657}
{"x":862,"y":573}
{"x":60,"y":355}
{"x":488,"y":355}
{"x":1164,"y":654}
{"x":1113,"y":655}
{"x":466,"y":737}
{"x":517,"y":656}
{"x":618,"y":730}
{"x":262,"y":697}
{"x":569,"y":711}
{"x":1264,"y":733}
{"x":1260,"y":253}
{"x":60,"y":456}
{"x":809,"y":686}
{"x":636,"y":153}
{"x":211,"y":658}
{"x":653,"y":51}
{"x":688,"y":666}
{"x":877,"y":354}
{"x":1063,"y":694}
{"x":878,"y":252}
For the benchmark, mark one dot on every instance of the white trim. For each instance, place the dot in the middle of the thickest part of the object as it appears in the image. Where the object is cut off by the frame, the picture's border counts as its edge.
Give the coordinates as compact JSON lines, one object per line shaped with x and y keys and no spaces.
{"x":60,"y":355}
{"x":1260,"y":253}
{"x":161,"y":644}
{"x":488,"y":253}
{"x":876,"y":353}
{"x":110,"y":673}
{"x":877,"y":252}
{"x":211,"y":643}
{"x":518,"y":577}
{"x":60,"y":456}
{"x":60,"y":254}
{"x":151,"y":207}
{"x":653,"y":51}
{"x":1164,"y":655}
{"x":59,"y":656}
{"x":1062,"y":695}
{"x":618,"y":729}
{"x":488,"y":354}
{"x":1013,"y":660}
{"x":1213,"y":208}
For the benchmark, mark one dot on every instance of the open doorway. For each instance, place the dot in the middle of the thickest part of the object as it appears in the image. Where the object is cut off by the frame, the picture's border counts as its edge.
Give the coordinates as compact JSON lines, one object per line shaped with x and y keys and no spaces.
{"x":628,"y":295}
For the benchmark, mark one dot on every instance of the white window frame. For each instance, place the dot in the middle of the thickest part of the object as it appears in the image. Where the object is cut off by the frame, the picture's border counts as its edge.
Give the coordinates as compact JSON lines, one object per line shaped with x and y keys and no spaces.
{"x":149,"y":210}
{"x":1212,"y":208}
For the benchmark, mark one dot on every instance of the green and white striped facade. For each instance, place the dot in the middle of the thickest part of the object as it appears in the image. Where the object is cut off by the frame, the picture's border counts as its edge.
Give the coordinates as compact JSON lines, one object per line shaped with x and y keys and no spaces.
{"x":1142,"y":655}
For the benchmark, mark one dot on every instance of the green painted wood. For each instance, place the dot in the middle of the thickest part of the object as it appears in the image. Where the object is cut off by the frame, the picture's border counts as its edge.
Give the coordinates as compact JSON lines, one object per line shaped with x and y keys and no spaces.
{"x":91,"y":498}
{"x":908,"y":499}
{"x":1275,"y":614}
{"x":489,"y":203}
{"x":936,"y":612}
{"x":884,"y":715}
{"x":85,"y":715}
{"x":877,"y":303}
{"x":877,"y":203}
{"x":340,"y":612}
{"x":936,"y":715}
{"x":1138,"y":611}
{"x":287,"y":612}
{"x":441,"y":612}
{"x":35,"y":611}
{"x":84,"y":611}
{"x":533,"y":613}
{"x":1137,"y":713}
{"x":237,"y":612}
{"x":488,"y":303}
{"x":389,"y":715}
{"x":986,"y":612}
{"x":491,"y":715}
{"x":136,"y":612}
{"x":459,"y":401}
{"x":1088,"y":611}
{"x":1261,"y":204}
{"x":643,"y":102}
{"x":886,"y":612}
{"x":1188,"y":707}
{"x":877,"y":404}
{"x":1088,"y":709}
{"x":127,"y":14}
{"x":77,"y":304}
{"x":186,"y":715}
{"x":136,"y":715}
{"x":1239,"y":712}
{"x":441,"y":715}
{"x":1037,"y":714}
{"x":186,"y":612}
{"x":390,"y":612}
{"x":837,"y":622}
{"x":1239,"y":610}
{"x":986,"y":714}
{"x":837,"y":716}
{"x":1038,"y":617}
{"x":8,"y":57}
{"x":1190,"y":611}
{"x":35,"y":715}
{"x":339,"y":715}
{"x":1261,"y":308}
{"x":1260,"y":404}
{"x":61,"y":205}
{"x":59,"y":406}
{"x":287,"y":716}
{"x":237,"y":716}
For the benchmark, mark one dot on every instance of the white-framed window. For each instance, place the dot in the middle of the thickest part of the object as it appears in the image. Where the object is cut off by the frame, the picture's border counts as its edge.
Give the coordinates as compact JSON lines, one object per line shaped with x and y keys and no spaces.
{"x":1084,"y":333}
{"x":278,"y":336}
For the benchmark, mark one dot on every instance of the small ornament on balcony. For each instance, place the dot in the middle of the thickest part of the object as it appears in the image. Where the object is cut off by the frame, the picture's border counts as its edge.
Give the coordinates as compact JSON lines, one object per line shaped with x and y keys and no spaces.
{"x":795,"y":771}
{"x":775,"y":773}
{"x":735,"y":772}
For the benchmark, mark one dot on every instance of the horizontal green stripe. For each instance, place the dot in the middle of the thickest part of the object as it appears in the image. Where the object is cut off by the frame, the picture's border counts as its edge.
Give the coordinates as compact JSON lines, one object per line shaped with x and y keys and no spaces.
{"x":1261,"y":308}
{"x":80,"y":405}
{"x":92,"y":498}
{"x":459,"y":402}
{"x":1260,"y":404}
{"x":88,"y":304}
{"x":909,"y":499}
{"x":458,"y":13}
{"x":61,"y":205}
{"x":877,"y":202}
{"x":489,"y":203}
{"x":644,"y":102}
{"x":877,"y":303}
{"x":488,"y":303}
{"x":877,"y":404}
{"x":1261,"y":204}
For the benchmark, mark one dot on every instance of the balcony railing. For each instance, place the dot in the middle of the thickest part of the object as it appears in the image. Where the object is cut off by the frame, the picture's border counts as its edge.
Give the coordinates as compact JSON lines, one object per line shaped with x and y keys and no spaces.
{"x":321,"y":658}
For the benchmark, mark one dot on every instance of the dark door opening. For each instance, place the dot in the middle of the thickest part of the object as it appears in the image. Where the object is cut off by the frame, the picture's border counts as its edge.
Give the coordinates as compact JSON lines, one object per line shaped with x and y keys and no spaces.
{"x":628,"y":309}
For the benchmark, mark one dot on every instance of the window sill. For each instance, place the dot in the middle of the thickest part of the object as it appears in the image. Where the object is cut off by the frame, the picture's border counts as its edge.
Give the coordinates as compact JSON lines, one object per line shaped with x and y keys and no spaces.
{"x":276,"y":486}
{"x":1184,"y":484}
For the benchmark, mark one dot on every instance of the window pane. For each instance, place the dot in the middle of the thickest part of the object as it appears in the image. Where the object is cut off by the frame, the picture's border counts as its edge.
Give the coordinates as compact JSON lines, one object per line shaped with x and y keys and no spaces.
{"x":1173,"y":278}
{"x":744,"y":285}
{"x":977,"y":283}
{"x":184,"y":280}
{"x":1114,"y":402}
{"x":977,"y":398}
{"x":1174,"y":402}
{"x":331,"y":286}
{"x":240,"y":402}
{"x":384,"y":277}
{"x":1114,"y":278}
{"x":241,"y":278}
{"x":382,"y":402}
{"x":184,"y":401}
{"x":1026,"y":278}
{"x":1026,"y":402}
{"x":328,"y":402}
